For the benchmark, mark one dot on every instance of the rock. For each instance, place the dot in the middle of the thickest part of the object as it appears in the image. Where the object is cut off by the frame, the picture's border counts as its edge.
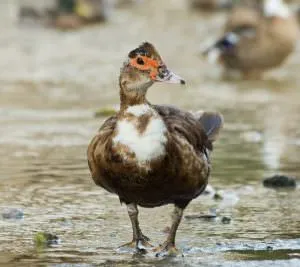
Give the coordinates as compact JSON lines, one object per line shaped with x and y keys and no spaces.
{"x":200,"y":216}
{"x":279,"y":181}
{"x":226,"y":220}
{"x":218,"y":196}
{"x":211,"y":215}
{"x":42,"y":239}
{"x":12,"y":213}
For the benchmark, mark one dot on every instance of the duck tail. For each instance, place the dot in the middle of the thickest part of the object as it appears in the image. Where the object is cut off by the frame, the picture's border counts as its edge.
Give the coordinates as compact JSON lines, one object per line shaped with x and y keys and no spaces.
{"x":224,"y":44}
{"x":212,"y":123}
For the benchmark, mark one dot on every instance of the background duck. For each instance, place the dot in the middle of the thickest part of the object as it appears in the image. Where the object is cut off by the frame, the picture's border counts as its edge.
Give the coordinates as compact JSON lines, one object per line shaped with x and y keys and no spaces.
{"x":221,"y":4}
{"x":70,"y":14}
{"x":256,"y":39}
{"x":152,"y":155}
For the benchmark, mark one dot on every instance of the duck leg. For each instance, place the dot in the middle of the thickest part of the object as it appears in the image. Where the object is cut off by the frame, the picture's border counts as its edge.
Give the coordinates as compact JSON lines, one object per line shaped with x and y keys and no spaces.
{"x":168,"y":247}
{"x":139,"y":240}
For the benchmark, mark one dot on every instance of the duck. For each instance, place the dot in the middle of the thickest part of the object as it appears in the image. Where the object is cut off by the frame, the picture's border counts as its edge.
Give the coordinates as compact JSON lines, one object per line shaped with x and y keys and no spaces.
{"x":80,"y":13}
{"x":256,"y":39}
{"x":152,"y":155}
{"x":69,"y":14}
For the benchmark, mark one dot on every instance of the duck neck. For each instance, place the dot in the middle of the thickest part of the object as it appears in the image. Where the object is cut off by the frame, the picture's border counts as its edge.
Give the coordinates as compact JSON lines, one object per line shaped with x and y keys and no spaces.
{"x":133,"y":96}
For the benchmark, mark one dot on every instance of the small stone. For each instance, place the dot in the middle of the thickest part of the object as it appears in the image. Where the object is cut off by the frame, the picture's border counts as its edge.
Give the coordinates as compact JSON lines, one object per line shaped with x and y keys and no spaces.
{"x":12,"y":214}
{"x":42,"y":239}
{"x":211,"y":215}
{"x":218,"y":196}
{"x":269,"y":248}
{"x":226,"y":220}
{"x":279,"y":181}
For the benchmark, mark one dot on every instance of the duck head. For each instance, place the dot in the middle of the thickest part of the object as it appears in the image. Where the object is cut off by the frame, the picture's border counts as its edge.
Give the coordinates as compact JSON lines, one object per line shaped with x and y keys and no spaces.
{"x":141,"y":69}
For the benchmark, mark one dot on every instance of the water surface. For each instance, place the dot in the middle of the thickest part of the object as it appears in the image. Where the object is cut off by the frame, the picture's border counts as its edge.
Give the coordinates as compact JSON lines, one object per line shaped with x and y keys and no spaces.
{"x":50,"y":85}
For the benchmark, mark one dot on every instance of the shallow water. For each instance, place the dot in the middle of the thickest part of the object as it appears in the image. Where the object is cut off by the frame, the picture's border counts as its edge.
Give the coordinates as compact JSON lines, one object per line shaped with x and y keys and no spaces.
{"x":52,"y":82}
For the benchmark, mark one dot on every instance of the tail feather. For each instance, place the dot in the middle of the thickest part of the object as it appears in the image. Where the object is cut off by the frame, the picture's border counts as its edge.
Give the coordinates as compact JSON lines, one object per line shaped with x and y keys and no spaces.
{"x":212,"y":123}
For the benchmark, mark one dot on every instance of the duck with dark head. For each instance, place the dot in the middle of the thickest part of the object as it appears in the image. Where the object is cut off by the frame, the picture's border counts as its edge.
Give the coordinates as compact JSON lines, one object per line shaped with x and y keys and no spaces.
{"x":152,"y":155}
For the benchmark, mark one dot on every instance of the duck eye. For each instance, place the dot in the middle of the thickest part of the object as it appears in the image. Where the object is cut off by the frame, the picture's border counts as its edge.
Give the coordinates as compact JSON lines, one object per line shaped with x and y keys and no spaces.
{"x":140,"y":61}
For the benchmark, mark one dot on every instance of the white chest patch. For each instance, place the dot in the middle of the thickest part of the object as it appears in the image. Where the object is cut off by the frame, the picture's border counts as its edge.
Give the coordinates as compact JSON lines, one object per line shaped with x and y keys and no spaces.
{"x":148,"y":145}
{"x":139,"y":110}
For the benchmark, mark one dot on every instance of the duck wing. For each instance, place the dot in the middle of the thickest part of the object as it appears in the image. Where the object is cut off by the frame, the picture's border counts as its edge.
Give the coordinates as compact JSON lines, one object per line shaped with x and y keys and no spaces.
{"x":200,"y":130}
{"x":99,"y":146}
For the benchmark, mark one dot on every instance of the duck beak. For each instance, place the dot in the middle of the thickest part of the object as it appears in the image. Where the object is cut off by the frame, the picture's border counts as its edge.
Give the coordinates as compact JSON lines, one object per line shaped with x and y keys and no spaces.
{"x":167,"y":76}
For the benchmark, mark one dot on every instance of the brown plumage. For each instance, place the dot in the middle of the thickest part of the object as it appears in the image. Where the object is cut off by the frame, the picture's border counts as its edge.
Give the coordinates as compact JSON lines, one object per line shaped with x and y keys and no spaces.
{"x":257,"y":39}
{"x":152,"y":155}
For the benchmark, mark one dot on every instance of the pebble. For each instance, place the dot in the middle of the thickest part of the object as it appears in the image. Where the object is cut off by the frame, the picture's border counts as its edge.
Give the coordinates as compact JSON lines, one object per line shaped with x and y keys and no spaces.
{"x":226,"y":220}
{"x":279,"y":181}
{"x":12,"y":214}
{"x":211,"y":215}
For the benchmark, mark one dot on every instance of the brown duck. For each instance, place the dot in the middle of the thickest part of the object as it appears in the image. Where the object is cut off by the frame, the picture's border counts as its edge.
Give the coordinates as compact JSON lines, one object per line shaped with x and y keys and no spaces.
{"x":152,"y":155}
{"x":69,"y":14}
{"x":257,"y":38}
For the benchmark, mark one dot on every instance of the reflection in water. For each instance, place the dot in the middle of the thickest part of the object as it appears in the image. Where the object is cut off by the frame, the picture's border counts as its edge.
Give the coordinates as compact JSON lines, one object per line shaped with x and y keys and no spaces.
{"x":49,"y":90}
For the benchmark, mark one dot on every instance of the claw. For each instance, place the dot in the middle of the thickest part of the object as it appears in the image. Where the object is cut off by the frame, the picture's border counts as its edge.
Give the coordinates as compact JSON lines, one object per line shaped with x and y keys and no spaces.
{"x":140,"y":245}
{"x":129,"y":245}
{"x":144,"y":244}
{"x":166,"y":249}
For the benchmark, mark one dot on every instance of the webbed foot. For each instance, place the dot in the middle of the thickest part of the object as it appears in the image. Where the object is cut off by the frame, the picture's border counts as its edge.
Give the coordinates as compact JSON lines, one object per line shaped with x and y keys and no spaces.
{"x":141,"y":245}
{"x":166,"y":249}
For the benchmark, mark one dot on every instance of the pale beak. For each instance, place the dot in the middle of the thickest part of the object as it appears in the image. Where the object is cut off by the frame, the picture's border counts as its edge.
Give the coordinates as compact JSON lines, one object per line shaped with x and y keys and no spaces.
{"x":167,"y":76}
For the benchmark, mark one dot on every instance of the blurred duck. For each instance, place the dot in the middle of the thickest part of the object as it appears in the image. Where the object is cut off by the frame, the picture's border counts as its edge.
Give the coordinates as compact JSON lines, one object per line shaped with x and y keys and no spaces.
{"x":81,"y":12}
{"x":152,"y":155}
{"x":70,"y":14}
{"x":221,"y":4}
{"x":256,"y":39}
